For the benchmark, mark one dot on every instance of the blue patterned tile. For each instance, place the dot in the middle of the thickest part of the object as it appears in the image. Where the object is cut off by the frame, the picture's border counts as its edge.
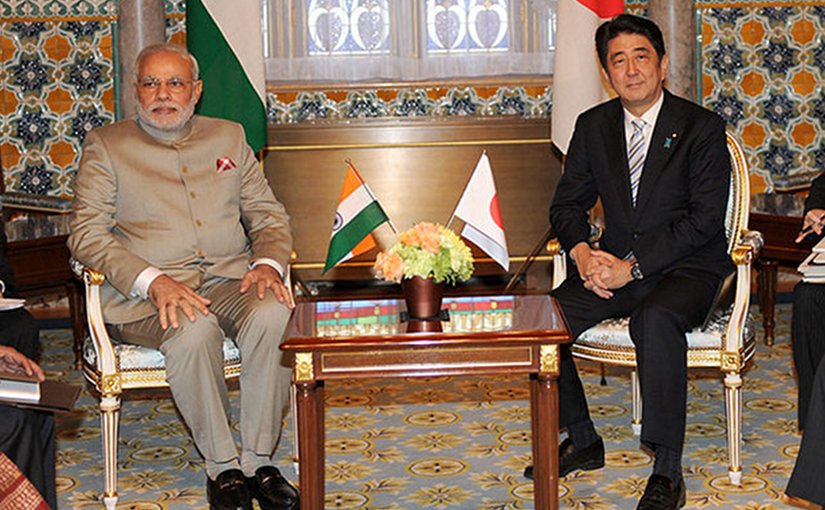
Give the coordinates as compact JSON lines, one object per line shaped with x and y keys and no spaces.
{"x":510,"y":101}
{"x":726,"y":60}
{"x":412,"y":103}
{"x":779,"y":109}
{"x":777,"y":14}
{"x":819,"y":158}
{"x":85,"y":121}
{"x":28,"y":30}
{"x":778,"y":159}
{"x":818,"y":57}
{"x":728,"y":15}
{"x":311,"y":106}
{"x":819,"y":12}
{"x":730,"y":108}
{"x":30,"y":75}
{"x":463,"y":101}
{"x":86,"y":74}
{"x":33,"y":128}
{"x":82,"y":29}
{"x":363,"y":104}
{"x":36,"y":179}
{"x":818,"y":110}
{"x":778,"y":57}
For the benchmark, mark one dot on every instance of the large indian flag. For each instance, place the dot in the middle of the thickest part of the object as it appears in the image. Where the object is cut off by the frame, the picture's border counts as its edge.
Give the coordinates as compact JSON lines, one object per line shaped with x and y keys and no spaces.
{"x":226,"y":38}
{"x":577,"y":82}
{"x":358,"y":214}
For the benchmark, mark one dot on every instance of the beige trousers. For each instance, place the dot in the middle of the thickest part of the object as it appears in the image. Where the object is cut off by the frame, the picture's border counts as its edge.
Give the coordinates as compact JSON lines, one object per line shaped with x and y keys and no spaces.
{"x":194,"y":367}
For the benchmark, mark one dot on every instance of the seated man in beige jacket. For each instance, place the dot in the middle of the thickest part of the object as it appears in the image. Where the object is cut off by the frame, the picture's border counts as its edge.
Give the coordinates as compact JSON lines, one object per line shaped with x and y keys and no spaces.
{"x":174,"y":209}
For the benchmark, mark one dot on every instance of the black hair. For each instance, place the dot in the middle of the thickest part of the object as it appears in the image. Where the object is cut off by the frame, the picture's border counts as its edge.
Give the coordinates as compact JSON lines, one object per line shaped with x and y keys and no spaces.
{"x":628,"y":24}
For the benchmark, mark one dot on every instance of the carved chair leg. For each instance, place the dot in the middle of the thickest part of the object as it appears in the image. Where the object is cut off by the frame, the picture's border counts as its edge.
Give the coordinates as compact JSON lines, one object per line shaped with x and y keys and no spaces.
{"x":733,"y":409}
{"x":636,"y":395}
{"x":109,"y":419}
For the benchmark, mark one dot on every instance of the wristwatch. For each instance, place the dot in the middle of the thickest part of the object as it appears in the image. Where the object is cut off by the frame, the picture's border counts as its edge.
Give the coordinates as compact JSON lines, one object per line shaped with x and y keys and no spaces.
{"x":636,"y":271}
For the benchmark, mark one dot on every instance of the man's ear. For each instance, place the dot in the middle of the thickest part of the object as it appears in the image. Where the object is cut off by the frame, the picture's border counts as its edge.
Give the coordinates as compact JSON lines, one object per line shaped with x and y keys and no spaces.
{"x":664,"y":64}
{"x":198,"y":90}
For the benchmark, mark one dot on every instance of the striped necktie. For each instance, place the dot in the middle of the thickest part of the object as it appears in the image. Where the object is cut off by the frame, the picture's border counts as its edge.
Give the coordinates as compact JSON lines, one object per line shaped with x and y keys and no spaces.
{"x":635,"y":156}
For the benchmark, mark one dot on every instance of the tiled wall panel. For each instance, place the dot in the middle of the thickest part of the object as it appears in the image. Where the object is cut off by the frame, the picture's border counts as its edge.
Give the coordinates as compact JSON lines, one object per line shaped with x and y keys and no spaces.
{"x":762,"y":69}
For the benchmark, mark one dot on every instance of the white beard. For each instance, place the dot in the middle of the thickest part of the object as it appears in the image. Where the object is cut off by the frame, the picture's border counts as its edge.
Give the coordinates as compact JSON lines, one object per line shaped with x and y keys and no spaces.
{"x":184,"y":114}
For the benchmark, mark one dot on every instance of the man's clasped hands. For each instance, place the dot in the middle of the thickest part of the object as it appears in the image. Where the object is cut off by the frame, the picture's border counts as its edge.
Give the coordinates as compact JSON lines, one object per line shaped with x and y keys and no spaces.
{"x":601,"y":271}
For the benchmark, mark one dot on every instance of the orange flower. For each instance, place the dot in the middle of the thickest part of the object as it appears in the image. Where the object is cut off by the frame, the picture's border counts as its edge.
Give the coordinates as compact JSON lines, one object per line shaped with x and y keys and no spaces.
{"x":429,"y":237}
{"x":390,"y":266}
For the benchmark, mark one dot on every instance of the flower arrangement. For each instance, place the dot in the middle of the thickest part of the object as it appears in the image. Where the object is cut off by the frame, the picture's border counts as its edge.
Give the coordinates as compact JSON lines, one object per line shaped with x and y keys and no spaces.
{"x":428,"y":250}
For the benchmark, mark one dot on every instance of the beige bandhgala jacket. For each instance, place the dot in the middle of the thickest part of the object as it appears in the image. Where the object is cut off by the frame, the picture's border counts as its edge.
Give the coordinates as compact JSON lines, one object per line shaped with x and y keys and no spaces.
{"x":193,"y":204}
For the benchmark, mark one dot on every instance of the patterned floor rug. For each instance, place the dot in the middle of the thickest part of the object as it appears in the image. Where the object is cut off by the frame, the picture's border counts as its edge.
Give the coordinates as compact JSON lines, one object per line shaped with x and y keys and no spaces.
{"x":448,"y":443}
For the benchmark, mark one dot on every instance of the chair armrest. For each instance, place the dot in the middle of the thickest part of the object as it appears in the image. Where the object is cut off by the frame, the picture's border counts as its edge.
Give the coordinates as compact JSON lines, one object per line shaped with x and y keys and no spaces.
{"x":754,"y":239}
{"x":559,"y":262}
{"x":105,"y":360}
{"x":743,"y":255}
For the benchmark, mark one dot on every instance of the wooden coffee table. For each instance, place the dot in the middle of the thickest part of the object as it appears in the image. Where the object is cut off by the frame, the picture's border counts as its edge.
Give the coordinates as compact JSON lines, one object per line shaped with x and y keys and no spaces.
{"x":334,"y":340}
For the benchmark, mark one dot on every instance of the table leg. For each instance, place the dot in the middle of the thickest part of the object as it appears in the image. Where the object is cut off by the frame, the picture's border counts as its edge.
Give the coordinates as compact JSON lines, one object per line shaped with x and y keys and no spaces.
{"x":544,"y":399}
{"x":766,"y":290}
{"x":310,"y":405}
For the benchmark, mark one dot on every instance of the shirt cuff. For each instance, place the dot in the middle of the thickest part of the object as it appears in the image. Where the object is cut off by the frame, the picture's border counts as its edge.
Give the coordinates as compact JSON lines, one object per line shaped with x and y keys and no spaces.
{"x":2,"y":287}
{"x":271,"y":263}
{"x":141,"y":286}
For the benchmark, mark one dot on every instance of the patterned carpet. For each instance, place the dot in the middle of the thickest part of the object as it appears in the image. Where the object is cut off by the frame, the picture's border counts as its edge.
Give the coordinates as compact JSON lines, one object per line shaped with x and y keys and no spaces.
{"x":448,"y":443}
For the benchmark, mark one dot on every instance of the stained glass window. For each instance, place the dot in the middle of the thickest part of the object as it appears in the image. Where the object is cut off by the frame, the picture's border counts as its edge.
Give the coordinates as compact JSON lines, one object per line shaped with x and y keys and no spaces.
{"x":467,"y":26}
{"x":348,"y":27}
{"x":407,"y":40}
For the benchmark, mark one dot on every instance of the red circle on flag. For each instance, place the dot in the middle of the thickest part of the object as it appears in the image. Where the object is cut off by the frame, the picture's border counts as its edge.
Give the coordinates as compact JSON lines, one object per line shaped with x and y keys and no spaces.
{"x":495,"y":213}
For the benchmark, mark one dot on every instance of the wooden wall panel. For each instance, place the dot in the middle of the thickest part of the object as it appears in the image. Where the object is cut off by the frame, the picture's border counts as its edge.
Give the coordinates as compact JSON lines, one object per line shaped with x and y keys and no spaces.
{"x":417,"y":168}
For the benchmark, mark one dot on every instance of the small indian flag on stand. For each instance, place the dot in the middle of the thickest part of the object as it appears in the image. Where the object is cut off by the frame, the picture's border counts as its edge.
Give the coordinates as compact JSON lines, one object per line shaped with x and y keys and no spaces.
{"x":358,"y":214}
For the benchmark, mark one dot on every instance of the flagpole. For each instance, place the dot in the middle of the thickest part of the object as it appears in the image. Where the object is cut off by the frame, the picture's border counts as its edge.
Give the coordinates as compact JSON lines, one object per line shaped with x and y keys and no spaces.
{"x":529,"y":260}
{"x":452,"y":216}
{"x":349,"y":163}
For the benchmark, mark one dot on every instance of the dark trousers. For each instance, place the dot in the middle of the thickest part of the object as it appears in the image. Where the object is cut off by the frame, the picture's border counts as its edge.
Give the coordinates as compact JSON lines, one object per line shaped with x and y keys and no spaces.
{"x":808,"y":338}
{"x":27,"y":437}
{"x":662,"y":308}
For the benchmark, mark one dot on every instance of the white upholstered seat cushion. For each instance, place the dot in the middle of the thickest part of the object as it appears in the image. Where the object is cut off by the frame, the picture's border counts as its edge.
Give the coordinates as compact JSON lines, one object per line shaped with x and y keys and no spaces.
{"x":136,"y":357}
{"x":616,"y":333}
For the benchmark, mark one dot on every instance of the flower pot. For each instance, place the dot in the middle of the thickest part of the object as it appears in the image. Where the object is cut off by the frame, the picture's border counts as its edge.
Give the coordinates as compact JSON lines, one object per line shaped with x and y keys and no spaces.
{"x":423,"y":298}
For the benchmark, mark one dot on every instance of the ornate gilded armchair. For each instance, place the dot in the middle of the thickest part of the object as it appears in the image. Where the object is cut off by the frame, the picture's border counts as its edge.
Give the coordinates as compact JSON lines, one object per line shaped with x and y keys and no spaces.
{"x":113,"y":367}
{"x":727,"y":343}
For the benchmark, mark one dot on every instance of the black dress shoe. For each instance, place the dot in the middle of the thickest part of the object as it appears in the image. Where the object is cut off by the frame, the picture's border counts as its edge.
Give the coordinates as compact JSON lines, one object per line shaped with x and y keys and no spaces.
{"x":587,"y":459}
{"x":228,"y":491}
{"x":272,"y":490}
{"x":662,"y":494}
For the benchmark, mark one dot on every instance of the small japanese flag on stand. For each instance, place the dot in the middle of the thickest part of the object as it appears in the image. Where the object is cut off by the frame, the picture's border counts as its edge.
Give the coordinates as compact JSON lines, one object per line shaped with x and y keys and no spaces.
{"x":478,"y":207}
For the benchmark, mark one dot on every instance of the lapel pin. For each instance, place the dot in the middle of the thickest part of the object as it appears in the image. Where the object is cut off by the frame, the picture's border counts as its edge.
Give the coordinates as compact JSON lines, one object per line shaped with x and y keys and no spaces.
{"x":669,"y":140}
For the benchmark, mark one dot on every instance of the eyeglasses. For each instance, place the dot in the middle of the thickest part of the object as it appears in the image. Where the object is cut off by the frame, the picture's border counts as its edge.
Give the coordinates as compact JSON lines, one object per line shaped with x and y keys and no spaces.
{"x":173,"y":84}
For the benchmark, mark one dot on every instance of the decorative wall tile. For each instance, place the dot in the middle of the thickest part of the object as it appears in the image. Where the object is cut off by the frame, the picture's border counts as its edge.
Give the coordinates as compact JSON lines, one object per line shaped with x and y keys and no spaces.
{"x":764,"y":71}
{"x":57,"y":85}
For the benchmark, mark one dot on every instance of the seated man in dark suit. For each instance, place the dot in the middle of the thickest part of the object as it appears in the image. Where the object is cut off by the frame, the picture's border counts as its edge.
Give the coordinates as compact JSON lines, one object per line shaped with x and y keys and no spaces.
{"x":26,"y":436}
{"x":808,"y":339}
{"x":660,"y":166}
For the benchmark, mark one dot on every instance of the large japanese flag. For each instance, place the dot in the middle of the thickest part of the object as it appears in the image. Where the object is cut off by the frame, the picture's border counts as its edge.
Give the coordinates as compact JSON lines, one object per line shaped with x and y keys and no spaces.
{"x":577,"y":82}
{"x":225,"y":37}
{"x":478,"y":207}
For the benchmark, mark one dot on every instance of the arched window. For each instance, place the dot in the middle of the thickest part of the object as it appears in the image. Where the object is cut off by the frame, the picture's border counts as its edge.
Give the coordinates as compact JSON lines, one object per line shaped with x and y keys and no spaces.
{"x":407,"y":40}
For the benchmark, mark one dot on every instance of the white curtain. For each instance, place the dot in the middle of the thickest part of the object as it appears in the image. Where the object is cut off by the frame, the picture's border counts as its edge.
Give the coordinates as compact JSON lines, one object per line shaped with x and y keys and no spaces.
{"x":342,"y":41}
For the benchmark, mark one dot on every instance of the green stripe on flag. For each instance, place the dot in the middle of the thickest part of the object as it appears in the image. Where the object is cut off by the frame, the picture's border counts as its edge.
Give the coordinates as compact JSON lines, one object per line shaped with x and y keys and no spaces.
{"x":227,"y":91}
{"x":351,"y":234}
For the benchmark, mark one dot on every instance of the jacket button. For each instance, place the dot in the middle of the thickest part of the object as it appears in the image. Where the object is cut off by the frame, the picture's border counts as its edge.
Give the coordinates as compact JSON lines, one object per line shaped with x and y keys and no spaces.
{"x":635,"y":236}
{"x":199,"y":223}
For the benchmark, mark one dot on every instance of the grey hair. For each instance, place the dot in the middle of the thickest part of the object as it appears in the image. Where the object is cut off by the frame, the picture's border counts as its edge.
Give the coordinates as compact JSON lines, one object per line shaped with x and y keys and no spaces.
{"x":154,"y":49}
